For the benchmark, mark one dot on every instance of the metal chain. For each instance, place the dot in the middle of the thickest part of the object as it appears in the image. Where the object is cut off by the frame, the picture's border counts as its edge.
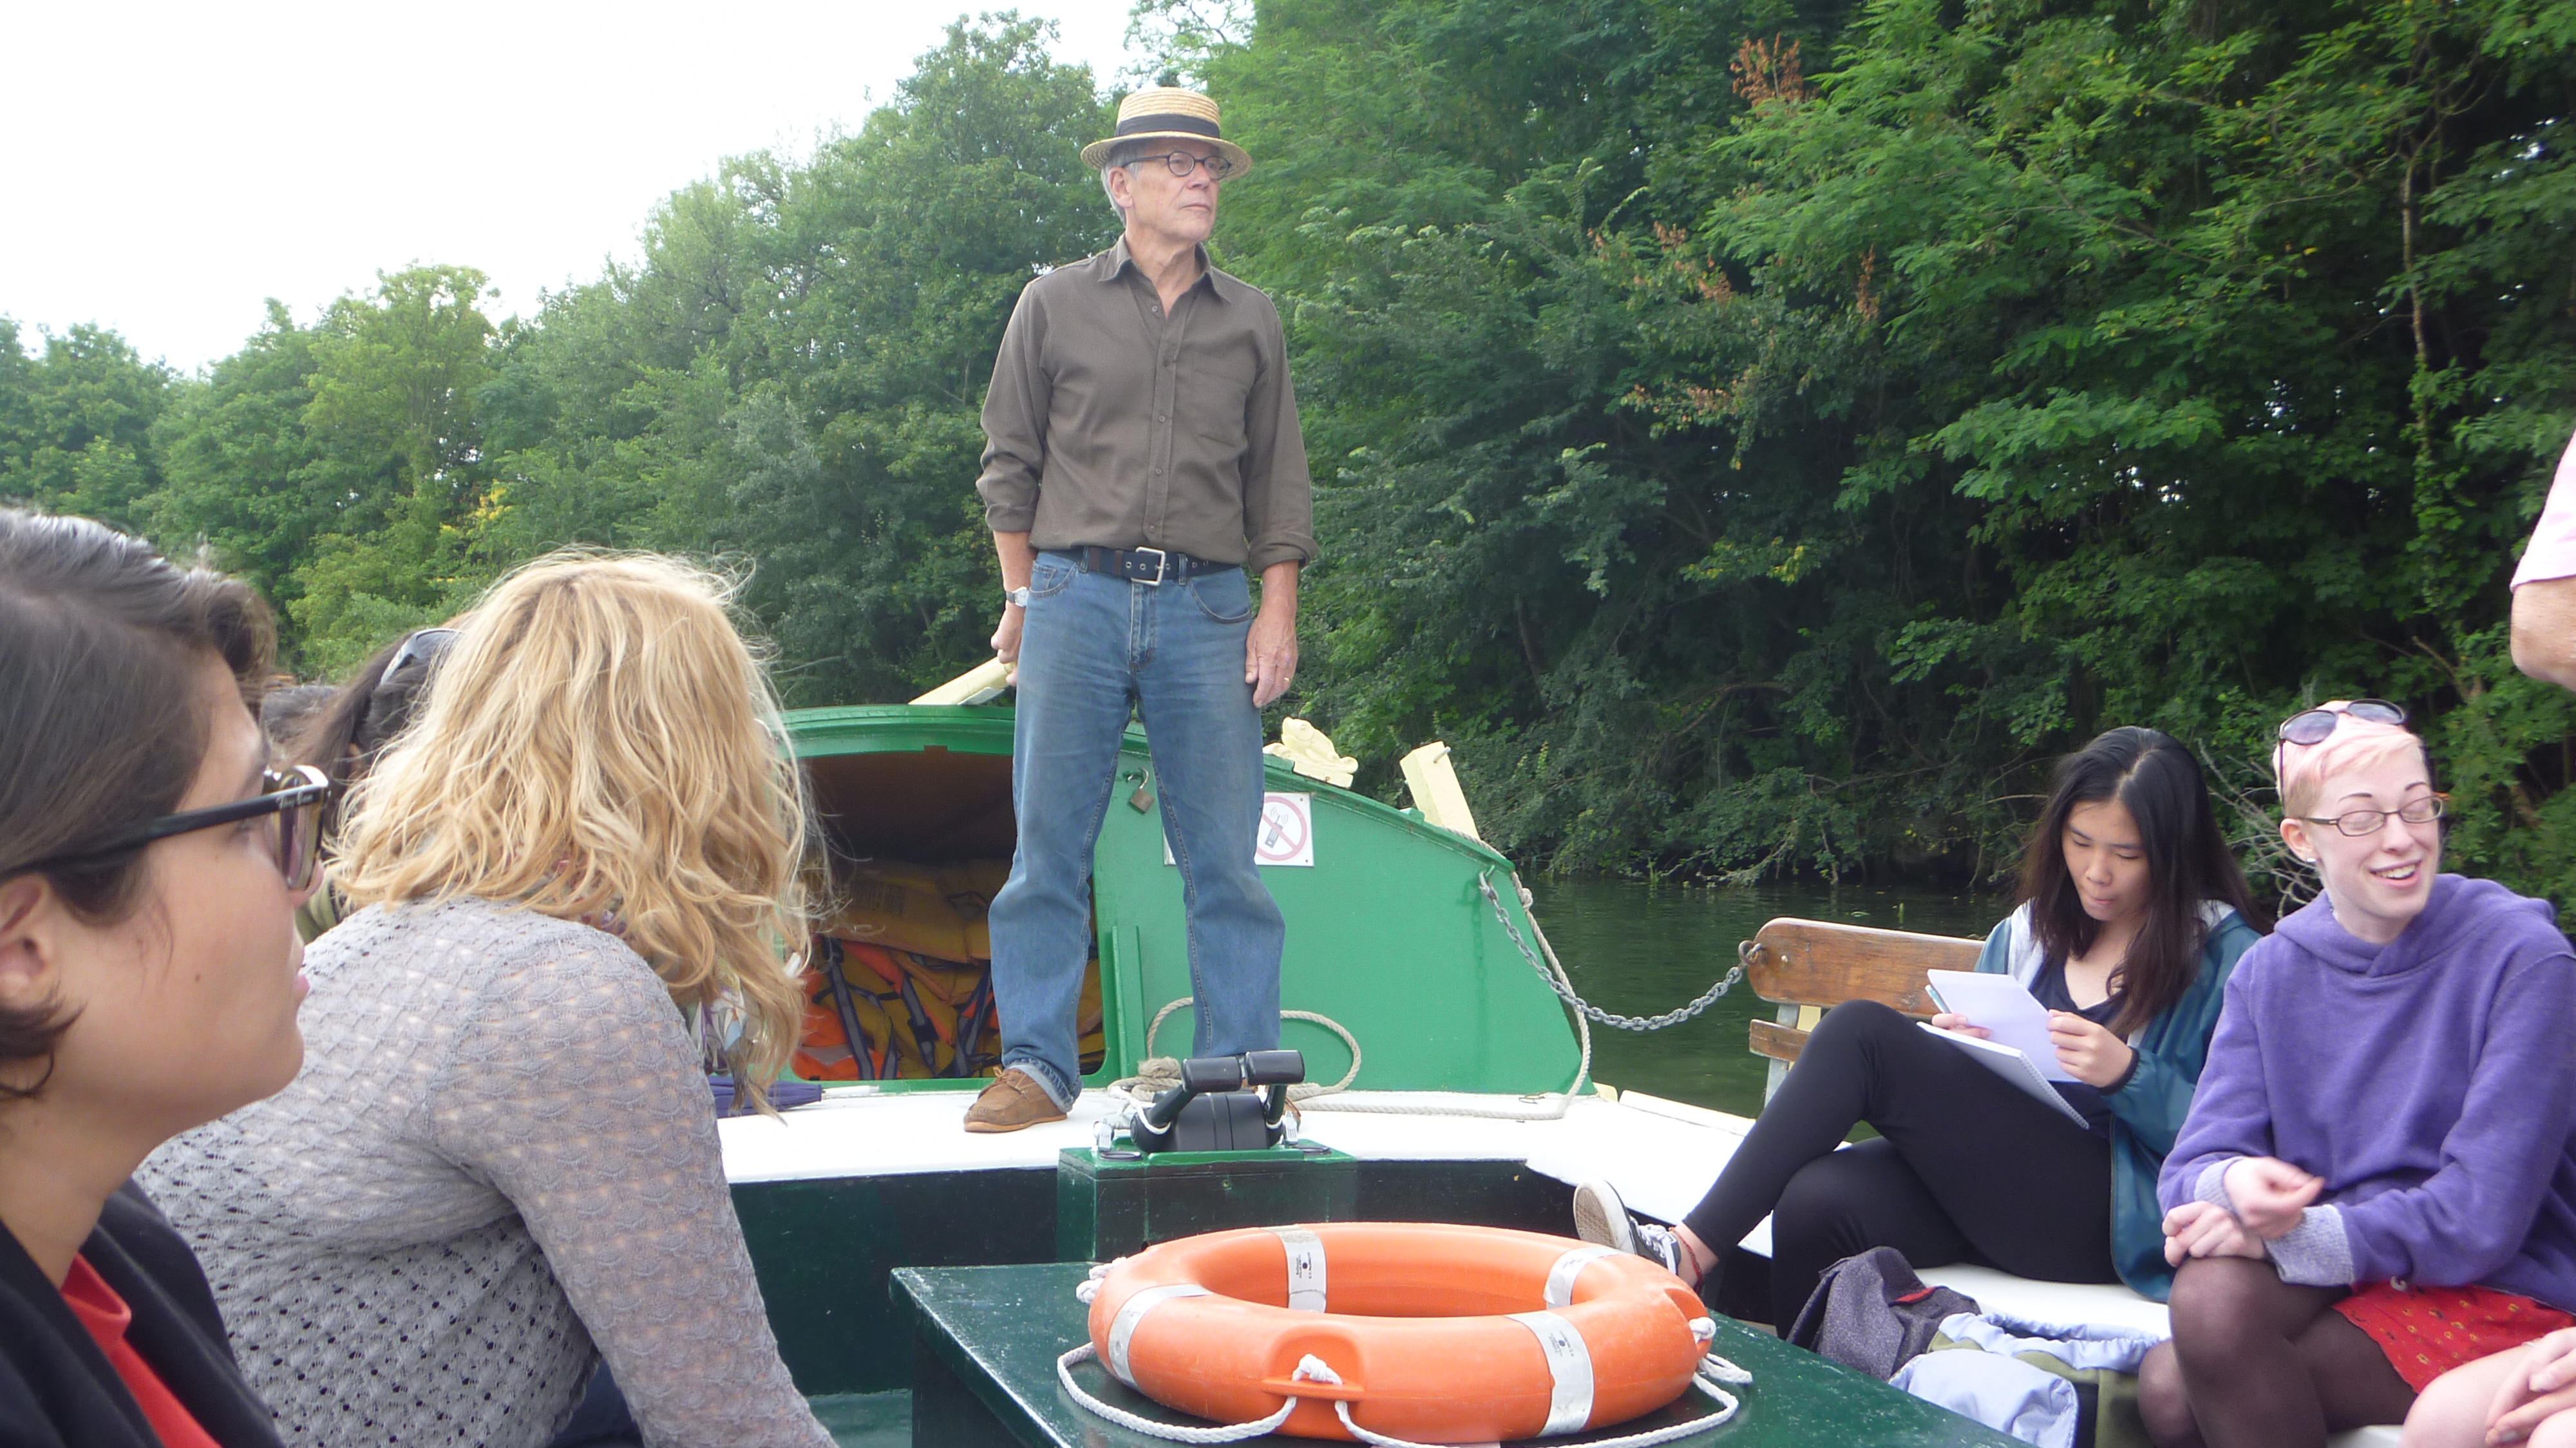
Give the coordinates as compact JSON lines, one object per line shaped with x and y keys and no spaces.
{"x":1565,"y":992}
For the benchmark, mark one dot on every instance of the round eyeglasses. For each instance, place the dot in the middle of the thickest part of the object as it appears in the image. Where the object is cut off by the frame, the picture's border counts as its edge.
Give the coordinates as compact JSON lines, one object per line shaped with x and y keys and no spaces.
{"x":2361,"y":822}
{"x":1182,"y":163}
{"x":293,"y":797}
{"x":2311,"y":726}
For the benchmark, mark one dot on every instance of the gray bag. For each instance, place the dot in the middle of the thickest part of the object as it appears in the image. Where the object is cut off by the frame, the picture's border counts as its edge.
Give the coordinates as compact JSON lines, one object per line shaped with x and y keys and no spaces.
{"x":1870,"y":1312}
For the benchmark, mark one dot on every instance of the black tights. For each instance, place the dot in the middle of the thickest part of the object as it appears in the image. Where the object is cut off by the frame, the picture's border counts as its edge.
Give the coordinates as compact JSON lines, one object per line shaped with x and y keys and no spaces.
{"x":1966,"y":1166}
{"x":2256,"y":1362}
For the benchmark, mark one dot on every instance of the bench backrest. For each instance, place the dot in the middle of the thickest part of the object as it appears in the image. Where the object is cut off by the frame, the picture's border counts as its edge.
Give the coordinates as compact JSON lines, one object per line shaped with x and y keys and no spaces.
{"x":1816,"y":963}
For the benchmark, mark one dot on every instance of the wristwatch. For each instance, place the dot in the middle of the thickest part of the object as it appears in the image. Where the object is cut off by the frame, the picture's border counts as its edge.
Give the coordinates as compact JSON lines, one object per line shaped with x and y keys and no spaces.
{"x":1019,"y":596}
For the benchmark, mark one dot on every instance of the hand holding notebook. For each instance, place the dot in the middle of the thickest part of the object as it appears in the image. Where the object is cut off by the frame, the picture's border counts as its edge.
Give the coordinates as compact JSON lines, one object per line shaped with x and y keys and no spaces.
{"x":2005,"y":1009}
{"x":2017,"y":1047}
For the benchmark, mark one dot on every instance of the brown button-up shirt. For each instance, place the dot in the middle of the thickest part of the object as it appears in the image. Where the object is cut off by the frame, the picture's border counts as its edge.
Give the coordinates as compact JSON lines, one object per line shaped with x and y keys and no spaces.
{"x":1110,"y":423}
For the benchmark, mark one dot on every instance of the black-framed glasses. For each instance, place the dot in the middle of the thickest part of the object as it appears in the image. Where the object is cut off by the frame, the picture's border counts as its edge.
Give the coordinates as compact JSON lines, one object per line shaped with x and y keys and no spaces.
{"x":294,"y":797}
{"x":1182,"y":163}
{"x":2311,"y":726}
{"x":422,"y":647}
{"x":2362,"y":822}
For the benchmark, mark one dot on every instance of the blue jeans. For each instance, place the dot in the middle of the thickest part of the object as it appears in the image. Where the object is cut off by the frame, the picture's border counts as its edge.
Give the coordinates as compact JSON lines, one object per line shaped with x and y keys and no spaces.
{"x":1097,"y":648}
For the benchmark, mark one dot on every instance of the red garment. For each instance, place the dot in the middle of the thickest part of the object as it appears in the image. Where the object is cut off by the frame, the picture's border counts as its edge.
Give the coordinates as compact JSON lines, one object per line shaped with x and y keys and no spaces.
{"x":107,"y":1317}
{"x":2427,"y":1331}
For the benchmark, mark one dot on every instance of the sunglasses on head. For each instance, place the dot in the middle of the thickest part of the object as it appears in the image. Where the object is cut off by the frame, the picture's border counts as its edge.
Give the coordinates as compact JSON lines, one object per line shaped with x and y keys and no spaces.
{"x":422,"y":647}
{"x":294,"y":797}
{"x":2311,"y":726}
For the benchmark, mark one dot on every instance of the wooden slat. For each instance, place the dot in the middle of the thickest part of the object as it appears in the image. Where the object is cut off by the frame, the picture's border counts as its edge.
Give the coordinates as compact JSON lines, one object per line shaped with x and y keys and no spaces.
{"x":1819,"y":963}
{"x":1779,"y":1042}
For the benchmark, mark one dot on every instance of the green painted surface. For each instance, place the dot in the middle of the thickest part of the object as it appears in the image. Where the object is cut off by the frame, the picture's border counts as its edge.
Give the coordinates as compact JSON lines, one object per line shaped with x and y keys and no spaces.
{"x":1106,"y":1209}
{"x":1000,"y":1329}
{"x":1387,"y":932}
{"x":866,"y":1420}
{"x":825,"y":1249}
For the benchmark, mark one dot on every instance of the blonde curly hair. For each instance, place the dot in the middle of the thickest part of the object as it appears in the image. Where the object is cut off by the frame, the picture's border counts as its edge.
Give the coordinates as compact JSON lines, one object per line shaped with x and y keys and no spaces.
{"x":599,"y":741}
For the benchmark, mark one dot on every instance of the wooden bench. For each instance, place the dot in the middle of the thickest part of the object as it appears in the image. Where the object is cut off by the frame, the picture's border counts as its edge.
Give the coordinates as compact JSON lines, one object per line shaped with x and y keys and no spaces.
{"x":1805,"y":967}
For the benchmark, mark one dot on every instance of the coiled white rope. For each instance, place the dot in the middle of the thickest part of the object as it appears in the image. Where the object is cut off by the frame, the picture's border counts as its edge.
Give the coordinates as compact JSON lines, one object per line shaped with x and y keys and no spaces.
{"x":1169,"y":1432}
{"x":1711,"y":1373}
{"x":1157,"y":1074}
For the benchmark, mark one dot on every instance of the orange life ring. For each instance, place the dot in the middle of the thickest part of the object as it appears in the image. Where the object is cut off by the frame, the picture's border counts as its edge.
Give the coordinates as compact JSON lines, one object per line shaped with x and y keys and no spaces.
{"x":1438,"y":1334}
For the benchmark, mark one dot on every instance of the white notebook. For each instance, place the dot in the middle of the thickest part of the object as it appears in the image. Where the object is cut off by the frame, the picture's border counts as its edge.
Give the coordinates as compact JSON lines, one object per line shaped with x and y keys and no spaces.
{"x":2014,"y":1067}
{"x":2007,"y":1011}
{"x":2019,"y":1050}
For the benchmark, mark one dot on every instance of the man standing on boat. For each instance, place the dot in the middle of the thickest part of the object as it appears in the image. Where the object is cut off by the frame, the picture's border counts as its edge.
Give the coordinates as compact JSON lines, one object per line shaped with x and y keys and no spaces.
{"x":1142,"y":458}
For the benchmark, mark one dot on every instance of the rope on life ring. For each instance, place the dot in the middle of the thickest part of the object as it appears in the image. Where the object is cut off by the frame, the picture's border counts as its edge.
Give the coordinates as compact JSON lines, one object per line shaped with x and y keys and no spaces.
{"x":1578,"y":1391}
{"x":1713,"y":1371}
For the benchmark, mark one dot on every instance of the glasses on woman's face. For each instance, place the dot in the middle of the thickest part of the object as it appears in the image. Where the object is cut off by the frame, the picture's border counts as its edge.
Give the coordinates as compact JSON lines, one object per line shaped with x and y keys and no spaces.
{"x":1181,"y":163}
{"x":2362,"y":822}
{"x":291,"y":802}
{"x":2311,"y":726}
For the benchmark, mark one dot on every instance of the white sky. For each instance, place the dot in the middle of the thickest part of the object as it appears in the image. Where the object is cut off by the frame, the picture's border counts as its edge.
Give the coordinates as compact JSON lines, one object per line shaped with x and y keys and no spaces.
{"x":166,"y":167}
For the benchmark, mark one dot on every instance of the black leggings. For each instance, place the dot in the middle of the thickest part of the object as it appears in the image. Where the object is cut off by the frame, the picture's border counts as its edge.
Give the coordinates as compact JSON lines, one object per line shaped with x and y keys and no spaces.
{"x":1966,"y":1167}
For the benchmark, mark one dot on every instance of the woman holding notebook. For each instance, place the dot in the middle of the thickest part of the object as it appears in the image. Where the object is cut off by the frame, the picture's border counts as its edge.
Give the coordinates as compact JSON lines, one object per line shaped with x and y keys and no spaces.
{"x":2132,"y":915}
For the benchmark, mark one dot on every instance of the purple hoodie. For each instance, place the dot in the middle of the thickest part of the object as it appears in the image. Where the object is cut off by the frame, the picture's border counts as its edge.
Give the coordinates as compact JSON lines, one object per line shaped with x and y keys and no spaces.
{"x":2431,"y":1082}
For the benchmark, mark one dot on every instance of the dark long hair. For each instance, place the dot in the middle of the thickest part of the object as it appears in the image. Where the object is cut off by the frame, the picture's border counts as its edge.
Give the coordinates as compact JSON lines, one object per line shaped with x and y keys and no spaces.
{"x":2160,"y":784}
{"x":98,"y":638}
{"x":344,"y":737}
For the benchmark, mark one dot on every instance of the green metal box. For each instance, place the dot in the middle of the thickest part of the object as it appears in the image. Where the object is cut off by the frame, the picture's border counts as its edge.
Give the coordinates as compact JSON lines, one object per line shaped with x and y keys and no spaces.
{"x":1107,"y":1209}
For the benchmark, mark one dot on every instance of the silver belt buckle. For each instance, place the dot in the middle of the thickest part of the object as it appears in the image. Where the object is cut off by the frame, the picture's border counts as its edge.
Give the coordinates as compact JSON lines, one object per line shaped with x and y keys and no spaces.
{"x":1162,"y":564}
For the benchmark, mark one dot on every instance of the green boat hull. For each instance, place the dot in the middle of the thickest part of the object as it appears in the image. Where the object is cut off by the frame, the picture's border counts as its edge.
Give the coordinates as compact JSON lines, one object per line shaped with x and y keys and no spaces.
{"x":1389,"y":934}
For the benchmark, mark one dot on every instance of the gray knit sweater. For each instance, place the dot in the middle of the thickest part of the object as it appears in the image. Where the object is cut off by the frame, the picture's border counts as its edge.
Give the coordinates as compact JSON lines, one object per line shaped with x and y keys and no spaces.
{"x":500,"y":1151}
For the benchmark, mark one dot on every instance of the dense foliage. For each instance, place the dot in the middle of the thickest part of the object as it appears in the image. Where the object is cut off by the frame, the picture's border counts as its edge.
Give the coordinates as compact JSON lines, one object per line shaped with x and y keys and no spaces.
{"x":1758,"y":434}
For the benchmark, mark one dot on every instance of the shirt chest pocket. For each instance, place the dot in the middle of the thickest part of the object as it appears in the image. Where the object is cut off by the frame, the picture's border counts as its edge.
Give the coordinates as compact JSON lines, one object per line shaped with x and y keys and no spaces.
{"x":1216,"y":394}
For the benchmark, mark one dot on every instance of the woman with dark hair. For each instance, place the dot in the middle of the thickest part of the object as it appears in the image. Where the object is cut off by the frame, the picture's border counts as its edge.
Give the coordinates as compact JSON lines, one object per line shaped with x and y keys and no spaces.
{"x":2132,"y":915}
{"x":149,"y":982}
{"x":347,"y":734}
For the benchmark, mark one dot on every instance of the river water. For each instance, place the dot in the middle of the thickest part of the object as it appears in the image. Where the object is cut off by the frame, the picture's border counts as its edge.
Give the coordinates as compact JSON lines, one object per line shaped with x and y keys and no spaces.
{"x":1640,"y":949}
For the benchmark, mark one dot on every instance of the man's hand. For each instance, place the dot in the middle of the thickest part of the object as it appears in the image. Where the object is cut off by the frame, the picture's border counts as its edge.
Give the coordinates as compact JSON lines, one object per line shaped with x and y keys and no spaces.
{"x":1018,"y":561}
{"x":2269,"y":1194}
{"x":2204,"y":1229}
{"x":1006,"y":634}
{"x":2089,"y":1053}
{"x":2542,"y":1383}
{"x":1270,"y":650}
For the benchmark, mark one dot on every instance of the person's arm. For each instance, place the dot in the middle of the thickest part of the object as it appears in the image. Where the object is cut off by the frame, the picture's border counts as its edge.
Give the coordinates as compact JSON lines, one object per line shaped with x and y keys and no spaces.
{"x":2544,"y":585}
{"x":1278,"y":496}
{"x":2468,"y":1218}
{"x":2544,"y":630}
{"x":2231,"y":1112}
{"x":1270,"y":650}
{"x":1015,"y":424}
{"x":577,"y":1093}
{"x":1019,"y":560}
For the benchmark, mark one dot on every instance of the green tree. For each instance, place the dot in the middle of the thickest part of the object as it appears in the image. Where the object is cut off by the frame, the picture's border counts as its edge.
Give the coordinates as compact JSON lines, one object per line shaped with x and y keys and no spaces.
{"x":793,"y":376}
{"x":75,"y":423}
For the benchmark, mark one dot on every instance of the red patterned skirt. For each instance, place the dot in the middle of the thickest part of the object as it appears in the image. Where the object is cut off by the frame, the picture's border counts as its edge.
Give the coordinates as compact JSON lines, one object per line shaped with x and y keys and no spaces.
{"x":2427,"y":1331}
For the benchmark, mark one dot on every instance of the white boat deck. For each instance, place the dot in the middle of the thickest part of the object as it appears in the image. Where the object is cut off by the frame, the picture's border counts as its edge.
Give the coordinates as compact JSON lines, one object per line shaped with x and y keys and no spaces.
{"x":1661,"y":1155}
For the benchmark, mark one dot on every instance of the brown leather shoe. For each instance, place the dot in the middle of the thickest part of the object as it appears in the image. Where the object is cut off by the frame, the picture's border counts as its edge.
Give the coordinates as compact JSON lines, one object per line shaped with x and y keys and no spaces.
{"x":1013,"y":1102}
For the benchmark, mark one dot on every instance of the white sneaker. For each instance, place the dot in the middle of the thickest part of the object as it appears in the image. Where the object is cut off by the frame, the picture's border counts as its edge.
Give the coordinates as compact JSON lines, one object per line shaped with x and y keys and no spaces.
{"x":1601,"y":1218}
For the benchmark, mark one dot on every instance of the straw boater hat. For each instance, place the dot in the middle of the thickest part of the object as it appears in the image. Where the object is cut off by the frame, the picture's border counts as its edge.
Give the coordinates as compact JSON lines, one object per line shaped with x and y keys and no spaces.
{"x":1167,"y":113}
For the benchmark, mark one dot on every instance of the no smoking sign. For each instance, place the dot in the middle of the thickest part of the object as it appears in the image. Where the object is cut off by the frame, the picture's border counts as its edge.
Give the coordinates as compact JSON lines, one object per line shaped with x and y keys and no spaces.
{"x":1287,"y":834}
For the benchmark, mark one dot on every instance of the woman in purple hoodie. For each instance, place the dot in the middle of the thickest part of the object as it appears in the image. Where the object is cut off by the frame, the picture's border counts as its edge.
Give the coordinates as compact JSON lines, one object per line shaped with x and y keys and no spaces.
{"x":2376,"y":1181}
